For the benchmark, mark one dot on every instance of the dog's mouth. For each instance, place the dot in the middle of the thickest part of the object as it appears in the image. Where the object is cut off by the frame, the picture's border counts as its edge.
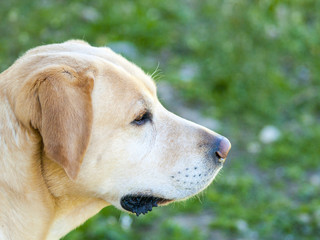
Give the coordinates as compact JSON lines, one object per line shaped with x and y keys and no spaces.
{"x":141,"y":204}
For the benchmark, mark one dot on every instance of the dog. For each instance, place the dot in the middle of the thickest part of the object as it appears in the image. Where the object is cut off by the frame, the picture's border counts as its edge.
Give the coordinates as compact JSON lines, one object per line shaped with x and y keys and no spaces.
{"x":81,"y":128}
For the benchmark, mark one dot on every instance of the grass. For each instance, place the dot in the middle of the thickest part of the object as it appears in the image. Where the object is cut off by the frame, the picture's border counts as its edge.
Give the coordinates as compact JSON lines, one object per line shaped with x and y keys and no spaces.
{"x":248,"y":64}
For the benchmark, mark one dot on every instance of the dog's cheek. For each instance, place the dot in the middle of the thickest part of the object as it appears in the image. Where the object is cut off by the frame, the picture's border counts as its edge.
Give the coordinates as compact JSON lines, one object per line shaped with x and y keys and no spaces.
{"x":113,"y":161}
{"x":138,"y":143}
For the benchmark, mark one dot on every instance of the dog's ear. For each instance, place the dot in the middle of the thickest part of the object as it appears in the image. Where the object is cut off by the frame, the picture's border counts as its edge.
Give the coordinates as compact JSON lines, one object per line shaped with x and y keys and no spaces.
{"x":65,"y":117}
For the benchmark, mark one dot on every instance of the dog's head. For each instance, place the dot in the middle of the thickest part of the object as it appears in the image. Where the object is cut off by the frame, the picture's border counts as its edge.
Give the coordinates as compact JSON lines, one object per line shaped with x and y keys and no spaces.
{"x":100,"y":119}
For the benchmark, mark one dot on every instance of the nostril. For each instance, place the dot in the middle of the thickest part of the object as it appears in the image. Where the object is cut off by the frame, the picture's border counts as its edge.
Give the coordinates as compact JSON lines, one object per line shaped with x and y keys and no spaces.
{"x":220,"y":158}
{"x":218,"y":155}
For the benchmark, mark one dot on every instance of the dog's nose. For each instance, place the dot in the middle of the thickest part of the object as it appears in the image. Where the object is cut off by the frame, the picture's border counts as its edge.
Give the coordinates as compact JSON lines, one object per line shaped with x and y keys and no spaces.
{"x":223,"y":149}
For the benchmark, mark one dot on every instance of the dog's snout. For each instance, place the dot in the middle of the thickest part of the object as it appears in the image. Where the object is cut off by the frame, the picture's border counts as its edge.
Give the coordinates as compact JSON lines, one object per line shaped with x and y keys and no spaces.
{"x":223,"y":149}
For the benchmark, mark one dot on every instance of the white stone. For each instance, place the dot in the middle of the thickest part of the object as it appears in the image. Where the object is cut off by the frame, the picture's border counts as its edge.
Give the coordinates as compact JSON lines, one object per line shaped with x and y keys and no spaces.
{"x":269,"y":134}
{"x":304,"y":218}
{"x":315,"y":180}
{"x":126,"y":222}
{"x":242,"y":225}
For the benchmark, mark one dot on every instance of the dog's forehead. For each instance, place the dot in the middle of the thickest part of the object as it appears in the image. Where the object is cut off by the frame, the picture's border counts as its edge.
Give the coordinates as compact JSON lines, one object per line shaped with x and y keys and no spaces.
{"x":114,"y":59}
{"x":131,"y":69}
{"x":125,"y":95}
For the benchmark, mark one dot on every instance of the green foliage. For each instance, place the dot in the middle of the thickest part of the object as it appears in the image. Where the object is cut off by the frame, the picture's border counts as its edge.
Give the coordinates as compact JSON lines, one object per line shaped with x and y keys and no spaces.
{"x":246,"y":63}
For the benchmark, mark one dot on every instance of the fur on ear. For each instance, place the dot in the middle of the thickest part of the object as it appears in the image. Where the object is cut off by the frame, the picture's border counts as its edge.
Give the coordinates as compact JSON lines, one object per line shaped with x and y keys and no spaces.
{"x":65,"y":118}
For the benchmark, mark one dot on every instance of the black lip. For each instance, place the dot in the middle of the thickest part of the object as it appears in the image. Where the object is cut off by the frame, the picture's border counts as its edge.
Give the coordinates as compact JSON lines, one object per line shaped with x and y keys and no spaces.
{"x":141,"y":204}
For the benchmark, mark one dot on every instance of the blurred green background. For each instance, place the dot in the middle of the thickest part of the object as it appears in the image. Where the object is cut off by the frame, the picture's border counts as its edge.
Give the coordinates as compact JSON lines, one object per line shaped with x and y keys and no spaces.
{"x":251,"y":66}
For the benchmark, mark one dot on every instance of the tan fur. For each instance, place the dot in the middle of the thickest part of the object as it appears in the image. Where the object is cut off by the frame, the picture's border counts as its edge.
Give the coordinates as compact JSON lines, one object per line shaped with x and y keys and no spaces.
{"x":68,"y":146}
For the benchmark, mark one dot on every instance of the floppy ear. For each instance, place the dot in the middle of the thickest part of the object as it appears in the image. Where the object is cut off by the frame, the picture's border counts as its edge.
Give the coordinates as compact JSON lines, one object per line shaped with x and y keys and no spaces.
{"x":65,"y":119}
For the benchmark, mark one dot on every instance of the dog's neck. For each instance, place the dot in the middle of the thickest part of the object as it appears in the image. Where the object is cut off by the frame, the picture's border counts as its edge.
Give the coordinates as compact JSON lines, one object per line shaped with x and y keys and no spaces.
{"x":23,"y":194}
{"x":34,"y":191}
{"x":72,"y":207}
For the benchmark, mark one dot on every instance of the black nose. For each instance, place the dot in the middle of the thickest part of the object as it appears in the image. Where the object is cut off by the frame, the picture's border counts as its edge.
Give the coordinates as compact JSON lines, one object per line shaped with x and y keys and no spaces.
{"x":223,"y":148}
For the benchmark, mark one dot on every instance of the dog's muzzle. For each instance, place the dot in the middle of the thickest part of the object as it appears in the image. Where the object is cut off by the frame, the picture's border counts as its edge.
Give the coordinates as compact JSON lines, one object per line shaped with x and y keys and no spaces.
{"x":141,"y":204}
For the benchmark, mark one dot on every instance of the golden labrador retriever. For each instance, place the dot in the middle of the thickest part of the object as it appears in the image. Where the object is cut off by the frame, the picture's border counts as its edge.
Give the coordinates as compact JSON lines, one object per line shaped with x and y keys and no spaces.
{"x":81,"y":128}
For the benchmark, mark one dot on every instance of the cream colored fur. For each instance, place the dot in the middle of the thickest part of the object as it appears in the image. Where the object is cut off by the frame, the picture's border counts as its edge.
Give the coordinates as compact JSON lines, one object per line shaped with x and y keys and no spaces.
{"x":68,"y":147}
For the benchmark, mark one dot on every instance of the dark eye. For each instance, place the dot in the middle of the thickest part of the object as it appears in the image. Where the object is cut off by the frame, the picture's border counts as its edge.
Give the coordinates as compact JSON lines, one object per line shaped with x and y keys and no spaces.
{"x":142,"y":119}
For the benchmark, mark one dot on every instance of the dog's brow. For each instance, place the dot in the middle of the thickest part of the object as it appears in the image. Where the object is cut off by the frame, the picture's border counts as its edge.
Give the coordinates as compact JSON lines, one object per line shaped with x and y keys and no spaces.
{"x":138,"y":106}
{"x":144,"y":104}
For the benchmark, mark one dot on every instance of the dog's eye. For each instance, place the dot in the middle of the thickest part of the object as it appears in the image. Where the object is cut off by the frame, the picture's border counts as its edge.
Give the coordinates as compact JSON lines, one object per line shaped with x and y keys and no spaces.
{"x":142,"y":118}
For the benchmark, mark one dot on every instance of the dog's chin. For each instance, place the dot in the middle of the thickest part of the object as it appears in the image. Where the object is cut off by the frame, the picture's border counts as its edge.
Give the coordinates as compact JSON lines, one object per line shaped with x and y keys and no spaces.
{"x":142,"y":204}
